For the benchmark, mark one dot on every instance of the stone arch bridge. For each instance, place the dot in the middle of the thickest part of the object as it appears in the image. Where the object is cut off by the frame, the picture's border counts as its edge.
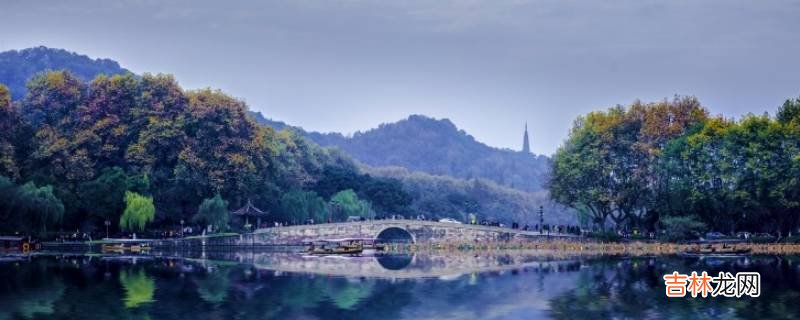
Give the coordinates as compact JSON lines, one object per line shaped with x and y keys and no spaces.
{"x":414,"y":230}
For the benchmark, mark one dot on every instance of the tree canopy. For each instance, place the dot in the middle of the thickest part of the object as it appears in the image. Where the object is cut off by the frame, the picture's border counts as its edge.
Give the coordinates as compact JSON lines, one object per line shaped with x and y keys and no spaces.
{"x":345,"y":204}
{"x":646,"y":163}
{"x":139,"y":210}
{"x":213,"y":212}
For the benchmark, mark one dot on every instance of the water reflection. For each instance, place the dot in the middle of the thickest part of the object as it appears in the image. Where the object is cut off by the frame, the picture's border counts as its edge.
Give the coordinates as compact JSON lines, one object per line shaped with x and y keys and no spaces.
{"x":139,"y":288}
{"x":260,"y":286}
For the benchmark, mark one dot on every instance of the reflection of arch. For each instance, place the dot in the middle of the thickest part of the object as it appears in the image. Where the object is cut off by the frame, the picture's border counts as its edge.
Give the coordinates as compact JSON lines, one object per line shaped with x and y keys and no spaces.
{"x":394,"y":261}
{"x":396,"y":235}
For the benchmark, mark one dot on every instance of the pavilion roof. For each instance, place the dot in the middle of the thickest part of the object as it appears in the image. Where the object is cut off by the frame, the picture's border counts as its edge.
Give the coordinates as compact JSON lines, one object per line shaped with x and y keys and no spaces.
{"x":249,"y":210}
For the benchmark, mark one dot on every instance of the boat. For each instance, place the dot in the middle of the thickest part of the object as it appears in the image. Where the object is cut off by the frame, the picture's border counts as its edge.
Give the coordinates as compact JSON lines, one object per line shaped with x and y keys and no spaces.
{"x":123,"y":247}
{"x":118,"y":248}
{"x":723,"y":250}
{"x":336,"y":247}
{"x":17,"y":244}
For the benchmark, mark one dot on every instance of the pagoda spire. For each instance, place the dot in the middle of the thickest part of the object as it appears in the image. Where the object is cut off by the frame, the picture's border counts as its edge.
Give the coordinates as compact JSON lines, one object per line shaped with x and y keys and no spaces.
{"x":526,"y":147}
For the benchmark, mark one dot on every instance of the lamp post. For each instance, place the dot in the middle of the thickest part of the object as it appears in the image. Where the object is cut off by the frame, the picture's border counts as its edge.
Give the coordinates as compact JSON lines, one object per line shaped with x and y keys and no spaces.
{"x":107,"y":223}
{"x":541,"y":219}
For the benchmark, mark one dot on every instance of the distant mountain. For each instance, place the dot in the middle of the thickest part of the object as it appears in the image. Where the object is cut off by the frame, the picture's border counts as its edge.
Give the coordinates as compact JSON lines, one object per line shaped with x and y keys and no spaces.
{"x":437,"y":147}
{"x":17,"y":67}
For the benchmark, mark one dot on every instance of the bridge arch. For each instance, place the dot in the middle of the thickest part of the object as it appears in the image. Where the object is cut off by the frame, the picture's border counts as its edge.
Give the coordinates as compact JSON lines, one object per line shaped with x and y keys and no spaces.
{"x":395,"y":234}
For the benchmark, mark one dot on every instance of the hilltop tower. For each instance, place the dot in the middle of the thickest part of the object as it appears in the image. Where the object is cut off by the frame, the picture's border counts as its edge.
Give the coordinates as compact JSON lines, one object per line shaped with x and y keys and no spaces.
{"x":526,"y":147}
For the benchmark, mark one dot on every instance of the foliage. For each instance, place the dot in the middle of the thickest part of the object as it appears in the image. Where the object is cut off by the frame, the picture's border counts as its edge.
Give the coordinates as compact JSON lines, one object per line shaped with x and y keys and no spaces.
{"x":387,"y":196}
{"x":139,"y":210}
{"x":669,"y":159}
{"x":345,"y":204}
{"x":12,"y":131}
{"x":790,"y":111}
{"x":297,"y":206}
{"x":28,"y":208}
{"x":214,"y":212}
{"x":104,"y":196}
{"x":682,"y":227}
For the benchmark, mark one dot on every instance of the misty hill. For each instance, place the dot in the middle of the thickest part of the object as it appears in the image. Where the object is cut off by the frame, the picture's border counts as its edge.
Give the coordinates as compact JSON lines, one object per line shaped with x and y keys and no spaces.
{"x":437,"y":147}
{"x":453,"y":197}
{"x":17,"y":67}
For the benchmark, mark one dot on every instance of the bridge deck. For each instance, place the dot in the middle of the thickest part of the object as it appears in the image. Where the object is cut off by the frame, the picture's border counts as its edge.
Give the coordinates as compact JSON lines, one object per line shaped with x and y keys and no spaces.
{"x":405,"y":223}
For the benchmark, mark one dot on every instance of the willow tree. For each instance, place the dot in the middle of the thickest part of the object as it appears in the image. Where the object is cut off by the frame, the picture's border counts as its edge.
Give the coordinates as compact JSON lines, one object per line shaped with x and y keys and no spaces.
{"x":346,"y":203}
{"x":213,"y":212}
{"x":139,"y":210}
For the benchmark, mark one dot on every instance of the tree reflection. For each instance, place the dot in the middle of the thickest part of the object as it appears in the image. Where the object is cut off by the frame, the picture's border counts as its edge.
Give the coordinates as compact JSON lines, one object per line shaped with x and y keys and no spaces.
{"x":634,"y":289}
{"x":213,"y":288}
{"x":346,"y":294}
{"x":627,"y":288}
{"x":139,"y":288}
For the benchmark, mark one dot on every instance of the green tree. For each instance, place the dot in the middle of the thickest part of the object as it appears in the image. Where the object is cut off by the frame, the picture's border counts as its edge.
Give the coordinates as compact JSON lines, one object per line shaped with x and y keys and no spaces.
{"x":387,"y":196}
{"x":139,"y":210}
{"x":345,"y":203}
{"x":298,"y":205}
{"x":609,"y":165}
{"x":790,"y":111}
{"x":213,"y":212}
{"x":682,"y":228}
{"x":104,"y":197}
{"x":37,"y":207}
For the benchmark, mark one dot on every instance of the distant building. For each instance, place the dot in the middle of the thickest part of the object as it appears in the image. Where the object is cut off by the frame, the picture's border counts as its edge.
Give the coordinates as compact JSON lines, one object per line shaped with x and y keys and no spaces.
{"x":526,"y":147}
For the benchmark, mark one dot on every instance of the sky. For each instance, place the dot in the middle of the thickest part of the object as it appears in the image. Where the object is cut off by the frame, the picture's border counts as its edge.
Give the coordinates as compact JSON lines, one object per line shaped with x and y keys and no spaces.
{"x":489,"y":66}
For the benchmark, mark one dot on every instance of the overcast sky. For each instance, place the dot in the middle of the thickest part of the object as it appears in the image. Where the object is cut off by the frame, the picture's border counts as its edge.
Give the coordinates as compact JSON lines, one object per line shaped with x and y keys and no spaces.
{"x":489,"y":66}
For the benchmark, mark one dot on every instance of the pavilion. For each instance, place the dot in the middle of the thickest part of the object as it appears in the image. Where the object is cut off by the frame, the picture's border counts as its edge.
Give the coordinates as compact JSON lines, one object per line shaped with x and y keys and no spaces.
{"x":248,"y":211}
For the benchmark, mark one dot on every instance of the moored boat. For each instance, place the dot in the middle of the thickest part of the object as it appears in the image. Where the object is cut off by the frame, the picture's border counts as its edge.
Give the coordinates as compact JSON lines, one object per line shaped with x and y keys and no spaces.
{"x":336,"y":247}
{"x":716,"y":250}
{"x":123,"y":247}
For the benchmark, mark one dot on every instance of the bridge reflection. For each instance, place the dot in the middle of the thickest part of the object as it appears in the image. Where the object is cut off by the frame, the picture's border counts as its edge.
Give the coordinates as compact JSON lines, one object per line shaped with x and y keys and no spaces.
{"x":392,"y":266}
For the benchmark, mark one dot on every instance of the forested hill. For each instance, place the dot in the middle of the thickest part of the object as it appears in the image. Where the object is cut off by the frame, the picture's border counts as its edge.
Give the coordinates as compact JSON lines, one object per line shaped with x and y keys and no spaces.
{"x":72,"y":151}
{"x":437,"y":147}
{"x":17,"y":67}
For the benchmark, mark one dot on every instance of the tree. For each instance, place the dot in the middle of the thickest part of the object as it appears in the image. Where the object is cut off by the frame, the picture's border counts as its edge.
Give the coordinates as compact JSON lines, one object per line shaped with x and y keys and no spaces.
{"x":39,"y":207}
{"x":609,"y":165}
{"x":337,"y":178}
{"x":139,"y":210}
{"x":28,"y":208}
{"x":790,"y":111}
{"x":104,"y":197}
{"x":345,"y":204}
{"x":682,"y":228}
{"x":213,"y":212}
{"x":298,"y":205}
{"x":9,"y":140}
{"x":387,"y":196}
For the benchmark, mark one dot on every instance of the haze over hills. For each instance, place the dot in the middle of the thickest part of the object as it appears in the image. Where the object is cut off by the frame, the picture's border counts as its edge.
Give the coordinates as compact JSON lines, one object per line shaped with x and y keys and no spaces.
{"x":17,"y":66}
{"x":434,"y":146}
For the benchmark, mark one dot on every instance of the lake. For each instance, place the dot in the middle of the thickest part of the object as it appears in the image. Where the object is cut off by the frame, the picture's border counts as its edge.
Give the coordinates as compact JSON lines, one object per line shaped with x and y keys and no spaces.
{"x":500,"y":285}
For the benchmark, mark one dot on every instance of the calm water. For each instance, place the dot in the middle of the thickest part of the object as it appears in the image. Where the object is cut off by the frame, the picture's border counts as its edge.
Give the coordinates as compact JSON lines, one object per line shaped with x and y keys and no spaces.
{"x":465,"y":286}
